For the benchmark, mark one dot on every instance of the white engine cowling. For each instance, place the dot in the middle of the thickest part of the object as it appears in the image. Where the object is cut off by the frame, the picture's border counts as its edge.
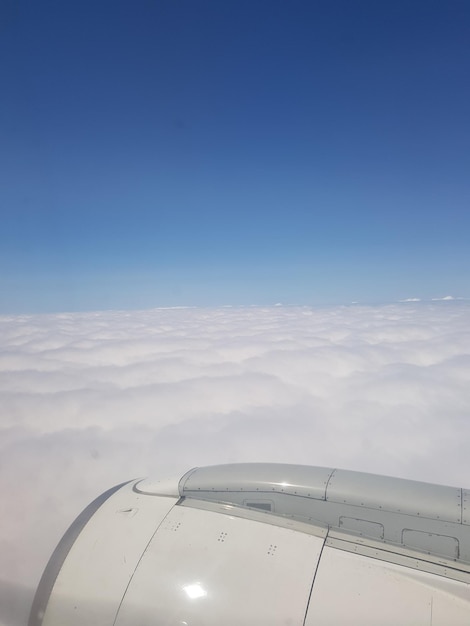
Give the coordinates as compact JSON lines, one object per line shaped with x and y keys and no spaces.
{"x":263,"y":544}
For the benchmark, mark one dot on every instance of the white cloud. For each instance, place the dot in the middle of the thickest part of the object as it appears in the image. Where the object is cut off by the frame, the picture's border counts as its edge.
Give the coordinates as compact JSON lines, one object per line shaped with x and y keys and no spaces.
{"x":89,"y":400}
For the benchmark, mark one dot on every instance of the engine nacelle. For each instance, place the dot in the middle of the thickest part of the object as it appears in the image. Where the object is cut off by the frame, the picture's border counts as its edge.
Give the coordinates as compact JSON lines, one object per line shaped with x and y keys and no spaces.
{"x":263,"y":544}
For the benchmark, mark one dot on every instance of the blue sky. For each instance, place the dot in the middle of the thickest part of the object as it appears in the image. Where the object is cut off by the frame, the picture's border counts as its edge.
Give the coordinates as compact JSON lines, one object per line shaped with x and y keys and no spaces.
{"x":203,"y":153}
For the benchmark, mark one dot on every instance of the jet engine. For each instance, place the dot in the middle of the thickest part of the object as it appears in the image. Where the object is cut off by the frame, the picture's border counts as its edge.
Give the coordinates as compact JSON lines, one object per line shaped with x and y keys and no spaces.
{"x":254,"y":544}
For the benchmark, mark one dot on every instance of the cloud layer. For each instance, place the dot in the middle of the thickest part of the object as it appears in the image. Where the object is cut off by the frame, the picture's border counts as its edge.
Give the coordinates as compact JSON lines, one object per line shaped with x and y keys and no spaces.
{"x":89,"y":400}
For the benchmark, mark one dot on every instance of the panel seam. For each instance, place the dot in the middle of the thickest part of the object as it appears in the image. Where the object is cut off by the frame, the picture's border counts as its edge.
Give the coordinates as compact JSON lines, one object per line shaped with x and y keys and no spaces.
{"x":313,"y":579}
{"x":328,"y":482}
{"x":138,"y":563}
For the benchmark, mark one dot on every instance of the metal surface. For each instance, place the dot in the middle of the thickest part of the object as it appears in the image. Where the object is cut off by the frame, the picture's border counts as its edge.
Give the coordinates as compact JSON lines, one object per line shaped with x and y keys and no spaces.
{"x":399,"y":555}
{"x":207,"y":568}
{"x":396,"y":495}
{"x":356,"y":590}
{"x":298,"y":480}
{"x":402,"y":512}
{"x":466,"y":506}
{"x":164,"y":487}
{"x":256,"y":515}
{"x":59,"y":555}
{"x":101,"y":562}
{"x":264,"y":544}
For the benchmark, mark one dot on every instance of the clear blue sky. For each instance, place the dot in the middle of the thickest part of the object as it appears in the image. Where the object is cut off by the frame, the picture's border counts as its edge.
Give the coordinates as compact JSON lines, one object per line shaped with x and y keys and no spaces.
{"x":160,"y":153}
